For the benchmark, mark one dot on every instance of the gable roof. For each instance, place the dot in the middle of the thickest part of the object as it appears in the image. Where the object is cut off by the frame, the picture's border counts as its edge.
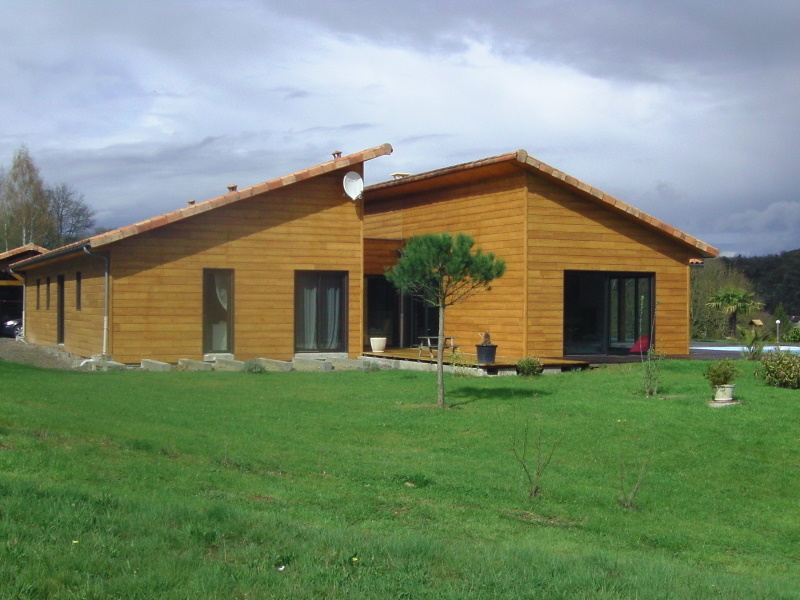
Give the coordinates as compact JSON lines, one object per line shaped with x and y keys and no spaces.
{"x":505,"y":164}
{"x":102,"y":239}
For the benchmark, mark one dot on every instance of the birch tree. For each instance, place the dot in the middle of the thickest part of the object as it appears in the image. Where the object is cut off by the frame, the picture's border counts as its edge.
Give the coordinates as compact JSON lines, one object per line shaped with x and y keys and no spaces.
{"x":26,"y":217}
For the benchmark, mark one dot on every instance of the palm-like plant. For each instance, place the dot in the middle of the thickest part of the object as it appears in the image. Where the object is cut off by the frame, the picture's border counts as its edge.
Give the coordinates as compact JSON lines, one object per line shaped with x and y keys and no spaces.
{"x":733,"y":301}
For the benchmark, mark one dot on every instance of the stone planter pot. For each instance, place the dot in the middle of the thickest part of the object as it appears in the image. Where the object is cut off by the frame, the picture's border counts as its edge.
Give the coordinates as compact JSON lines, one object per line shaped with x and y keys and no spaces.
{"x":378,"y":344}
{"x":723,"y":393}
{"x":486,"y":354}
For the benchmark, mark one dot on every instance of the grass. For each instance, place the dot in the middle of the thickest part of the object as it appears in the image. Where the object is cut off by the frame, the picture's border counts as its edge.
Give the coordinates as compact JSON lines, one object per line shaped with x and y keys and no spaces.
{"x":353,"y":485}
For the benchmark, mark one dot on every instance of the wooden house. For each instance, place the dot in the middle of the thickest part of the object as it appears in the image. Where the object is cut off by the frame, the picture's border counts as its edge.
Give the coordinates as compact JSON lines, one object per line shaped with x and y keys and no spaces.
{"x":267,"y":271}
{"x":11,"y":283}
{"x":586,"y":272}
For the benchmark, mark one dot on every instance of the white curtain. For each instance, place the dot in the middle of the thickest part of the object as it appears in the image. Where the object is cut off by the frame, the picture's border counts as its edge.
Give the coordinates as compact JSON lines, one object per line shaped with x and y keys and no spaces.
{"x":333,"y":312}
{"x":320,"y":298}
{"x":308,"y":339}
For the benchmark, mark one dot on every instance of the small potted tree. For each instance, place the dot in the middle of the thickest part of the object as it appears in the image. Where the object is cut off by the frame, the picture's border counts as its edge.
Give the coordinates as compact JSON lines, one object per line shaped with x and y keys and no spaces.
{"x":721,"y":374}
{"x":486,"y":350}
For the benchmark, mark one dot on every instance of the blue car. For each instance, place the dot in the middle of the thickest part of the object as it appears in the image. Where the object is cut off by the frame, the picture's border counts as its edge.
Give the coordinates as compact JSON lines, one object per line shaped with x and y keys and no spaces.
{"x":11,"y":328}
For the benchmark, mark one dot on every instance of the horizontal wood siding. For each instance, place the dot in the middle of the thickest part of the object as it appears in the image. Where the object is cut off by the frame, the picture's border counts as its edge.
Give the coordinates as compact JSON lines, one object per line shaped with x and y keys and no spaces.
{"x":83,"y":329}
{"x":569,"y":232}
{"x":492,"y":212}
{"x":380,"y":254}
{"x":157,"y":276}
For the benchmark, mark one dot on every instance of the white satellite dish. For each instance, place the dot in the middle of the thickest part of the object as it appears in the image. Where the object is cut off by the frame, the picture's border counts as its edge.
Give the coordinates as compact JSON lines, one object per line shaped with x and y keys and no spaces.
{"x":353,"y":185}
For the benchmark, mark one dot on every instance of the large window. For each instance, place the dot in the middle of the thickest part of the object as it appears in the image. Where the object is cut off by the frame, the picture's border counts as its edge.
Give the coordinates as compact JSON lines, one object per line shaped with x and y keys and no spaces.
{"x":607,"y":312}
{"x":218,"y":310}
{"x":320,"y":316}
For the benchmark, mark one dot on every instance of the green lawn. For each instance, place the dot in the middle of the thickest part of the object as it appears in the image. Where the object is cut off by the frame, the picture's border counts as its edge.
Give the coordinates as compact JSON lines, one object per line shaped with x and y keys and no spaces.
{"x":353,"y":485}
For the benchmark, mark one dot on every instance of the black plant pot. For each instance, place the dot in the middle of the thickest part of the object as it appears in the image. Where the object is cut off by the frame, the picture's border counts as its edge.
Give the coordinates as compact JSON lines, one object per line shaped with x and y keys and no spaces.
{"x":486,"y":354}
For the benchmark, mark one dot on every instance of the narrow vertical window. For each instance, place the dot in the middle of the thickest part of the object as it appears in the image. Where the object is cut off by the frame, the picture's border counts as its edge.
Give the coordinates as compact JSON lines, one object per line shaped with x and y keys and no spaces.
{"x":217,"y":310}
{"x":38,"y":294}
{"x":47,"y":295}
{"x":78,"y":290}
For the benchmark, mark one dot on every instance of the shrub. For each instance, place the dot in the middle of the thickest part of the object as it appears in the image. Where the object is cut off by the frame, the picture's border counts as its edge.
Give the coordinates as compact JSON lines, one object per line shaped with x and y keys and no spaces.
{"x":254,"y":367}
{"x":721,"y":372}
{"x":530,"y":366}
{"x":792,"y":335}
{"x":781,"y":368}
{"x":753,"y":340}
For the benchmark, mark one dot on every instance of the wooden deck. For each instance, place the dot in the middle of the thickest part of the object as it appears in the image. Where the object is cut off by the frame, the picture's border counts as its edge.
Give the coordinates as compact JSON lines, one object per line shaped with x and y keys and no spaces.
{"x":501,"y":364}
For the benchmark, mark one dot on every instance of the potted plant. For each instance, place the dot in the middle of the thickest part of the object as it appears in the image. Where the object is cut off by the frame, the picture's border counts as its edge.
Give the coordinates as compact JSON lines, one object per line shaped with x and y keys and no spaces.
{"x":720,"y":374}
{"x":378,"y":344}
{"x":486,"y":350}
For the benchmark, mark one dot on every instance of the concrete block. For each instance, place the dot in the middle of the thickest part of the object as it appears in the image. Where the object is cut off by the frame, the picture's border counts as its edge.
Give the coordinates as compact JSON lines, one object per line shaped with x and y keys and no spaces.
{"x":195,"y":365}
{"x":310,"y":364}
{"x":274,"y":365}
{"x":212,"y":356}
{"x":155,"y":365}
{"x":346,"y":364}
{"x":106,"y":365}
{"x":228,"y":364}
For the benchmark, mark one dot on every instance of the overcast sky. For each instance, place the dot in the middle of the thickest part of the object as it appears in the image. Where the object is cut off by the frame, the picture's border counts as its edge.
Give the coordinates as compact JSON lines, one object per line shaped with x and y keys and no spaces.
{"x":687,"y":109}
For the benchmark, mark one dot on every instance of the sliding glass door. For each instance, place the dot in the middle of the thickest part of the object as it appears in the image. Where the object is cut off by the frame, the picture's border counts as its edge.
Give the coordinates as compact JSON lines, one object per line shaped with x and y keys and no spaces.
{"x":630,"y":314}
{"x":320,"y":316}
{"x":607,"y":312}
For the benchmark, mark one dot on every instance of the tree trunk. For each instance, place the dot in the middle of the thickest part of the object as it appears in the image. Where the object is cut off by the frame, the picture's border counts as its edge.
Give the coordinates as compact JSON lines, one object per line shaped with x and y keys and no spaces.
{"x":439,"y":361}
{"x":732,"y":324}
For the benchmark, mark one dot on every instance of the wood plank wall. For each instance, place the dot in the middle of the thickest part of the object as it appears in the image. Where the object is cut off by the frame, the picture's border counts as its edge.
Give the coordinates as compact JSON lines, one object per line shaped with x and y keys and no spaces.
{"x":83,"y":329}
{"x":157,"y":284}
{"x":568,"y":232}
{"x":492,"y":212}
{"x":379,"y":254}
{"x":541,"y":229}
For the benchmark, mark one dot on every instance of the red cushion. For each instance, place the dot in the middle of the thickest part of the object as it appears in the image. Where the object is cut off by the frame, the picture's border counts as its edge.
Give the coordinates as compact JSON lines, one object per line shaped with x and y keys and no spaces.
{"x":641,"y":345}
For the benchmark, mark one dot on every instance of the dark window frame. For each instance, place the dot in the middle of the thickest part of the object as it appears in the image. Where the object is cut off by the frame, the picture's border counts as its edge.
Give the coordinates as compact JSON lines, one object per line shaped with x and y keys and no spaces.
{"x":78,"y":290}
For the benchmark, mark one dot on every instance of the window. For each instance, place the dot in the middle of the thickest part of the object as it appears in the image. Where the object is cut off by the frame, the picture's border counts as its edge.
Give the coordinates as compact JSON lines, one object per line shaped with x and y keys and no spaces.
{"x":320,"y":317}
{"x":38,"y":294}
{"x":78,"y":290}
{"x":47,"y":295}
{"x":218,"y":310}
{"x":606,"y":312}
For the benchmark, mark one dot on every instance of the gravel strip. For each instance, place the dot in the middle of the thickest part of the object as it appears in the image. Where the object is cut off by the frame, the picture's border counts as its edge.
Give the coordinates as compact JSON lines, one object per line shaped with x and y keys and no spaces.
{"x":46,"y":357}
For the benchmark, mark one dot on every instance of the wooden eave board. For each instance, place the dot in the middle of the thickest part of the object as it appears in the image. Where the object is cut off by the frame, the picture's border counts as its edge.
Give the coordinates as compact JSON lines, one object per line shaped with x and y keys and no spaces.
{"x":435,"y":180}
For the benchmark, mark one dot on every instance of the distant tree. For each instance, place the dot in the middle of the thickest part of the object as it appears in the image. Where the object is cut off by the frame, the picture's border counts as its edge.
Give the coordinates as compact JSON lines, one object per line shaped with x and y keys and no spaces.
{"x":24,"y":206}
{"x":72,"y":218}
{"x":442,"y":270}
{"x":776,"y":278}
{"x":733,"y":301}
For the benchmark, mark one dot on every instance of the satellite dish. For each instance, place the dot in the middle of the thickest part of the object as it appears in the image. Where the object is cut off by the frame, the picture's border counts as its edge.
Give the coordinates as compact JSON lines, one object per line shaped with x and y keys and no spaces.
{"x":353,"y":185}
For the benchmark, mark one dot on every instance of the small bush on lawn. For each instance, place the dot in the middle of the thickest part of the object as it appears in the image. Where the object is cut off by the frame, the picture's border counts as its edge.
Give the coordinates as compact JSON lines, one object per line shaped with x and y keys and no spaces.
{"x":254,"y":367}
{"x":529,"y":366}
{"x":781,"y":368}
